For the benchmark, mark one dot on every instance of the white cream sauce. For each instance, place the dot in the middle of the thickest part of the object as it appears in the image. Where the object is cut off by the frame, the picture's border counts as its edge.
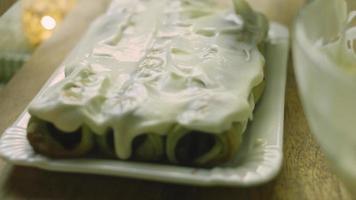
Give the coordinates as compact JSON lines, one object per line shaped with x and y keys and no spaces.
{"x":169,"y":62}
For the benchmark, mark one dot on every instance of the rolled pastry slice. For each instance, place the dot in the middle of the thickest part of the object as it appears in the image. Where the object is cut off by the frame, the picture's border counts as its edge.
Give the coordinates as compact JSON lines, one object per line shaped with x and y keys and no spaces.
{"x":46,"y":139}
{"x":148,"y":147}
{"x":145,"y":147}
{"x":106,"y":143}
{"x":198,"y":148}
{"x":258,"y":90}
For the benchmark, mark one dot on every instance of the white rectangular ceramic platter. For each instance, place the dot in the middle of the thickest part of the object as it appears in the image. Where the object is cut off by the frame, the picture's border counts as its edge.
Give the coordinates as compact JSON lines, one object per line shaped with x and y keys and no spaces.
{"x":257,"y":162}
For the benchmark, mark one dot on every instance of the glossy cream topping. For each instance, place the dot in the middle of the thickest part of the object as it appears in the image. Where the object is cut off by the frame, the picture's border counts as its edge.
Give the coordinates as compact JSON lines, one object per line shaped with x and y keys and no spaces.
{"x":172,"y":62}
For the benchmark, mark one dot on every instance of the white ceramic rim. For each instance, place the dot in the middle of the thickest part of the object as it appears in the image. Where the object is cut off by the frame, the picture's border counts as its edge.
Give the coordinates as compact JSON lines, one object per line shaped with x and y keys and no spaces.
{"x":322,"y":61}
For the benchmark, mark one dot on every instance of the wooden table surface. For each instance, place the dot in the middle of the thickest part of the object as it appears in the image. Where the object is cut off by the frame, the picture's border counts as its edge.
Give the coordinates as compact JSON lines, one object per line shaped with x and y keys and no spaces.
{"x":304,"y":175}
{"x":4,"y":5}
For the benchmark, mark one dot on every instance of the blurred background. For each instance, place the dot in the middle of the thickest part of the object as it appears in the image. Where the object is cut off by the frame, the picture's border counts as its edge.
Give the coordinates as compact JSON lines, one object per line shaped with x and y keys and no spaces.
{"x":24,"y":25}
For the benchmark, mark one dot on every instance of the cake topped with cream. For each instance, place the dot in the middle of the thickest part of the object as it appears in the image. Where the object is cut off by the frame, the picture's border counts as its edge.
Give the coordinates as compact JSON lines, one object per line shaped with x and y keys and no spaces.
{"x":169,"y":63}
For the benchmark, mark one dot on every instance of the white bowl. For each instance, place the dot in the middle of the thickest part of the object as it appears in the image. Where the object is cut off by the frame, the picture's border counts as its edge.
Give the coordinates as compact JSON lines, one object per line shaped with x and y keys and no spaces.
{"x":327,"y":90}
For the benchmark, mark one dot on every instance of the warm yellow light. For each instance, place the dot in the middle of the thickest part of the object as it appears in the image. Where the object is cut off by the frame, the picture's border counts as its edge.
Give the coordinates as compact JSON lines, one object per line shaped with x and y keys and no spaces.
{"x":48,"y":22}
{"x":41,"y":17}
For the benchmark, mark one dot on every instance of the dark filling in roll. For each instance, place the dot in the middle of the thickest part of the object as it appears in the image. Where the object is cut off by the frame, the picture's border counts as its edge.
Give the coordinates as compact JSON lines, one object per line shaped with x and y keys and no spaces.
{"x":193,"y":145}
{"x":110,"y":140}
{"x":67,"y":140}
{"x":138,"y":141}
{"x":136,"y":144}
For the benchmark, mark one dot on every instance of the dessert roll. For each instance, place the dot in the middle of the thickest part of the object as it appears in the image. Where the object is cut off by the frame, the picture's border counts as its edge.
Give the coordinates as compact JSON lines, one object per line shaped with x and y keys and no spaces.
{"x":148,"y":147}
{"x":45,"y":138}
{"x":197,"y":148}
{"x":106,"y":143}
{"x":257,"y":91}
{"x":145,"y":147}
